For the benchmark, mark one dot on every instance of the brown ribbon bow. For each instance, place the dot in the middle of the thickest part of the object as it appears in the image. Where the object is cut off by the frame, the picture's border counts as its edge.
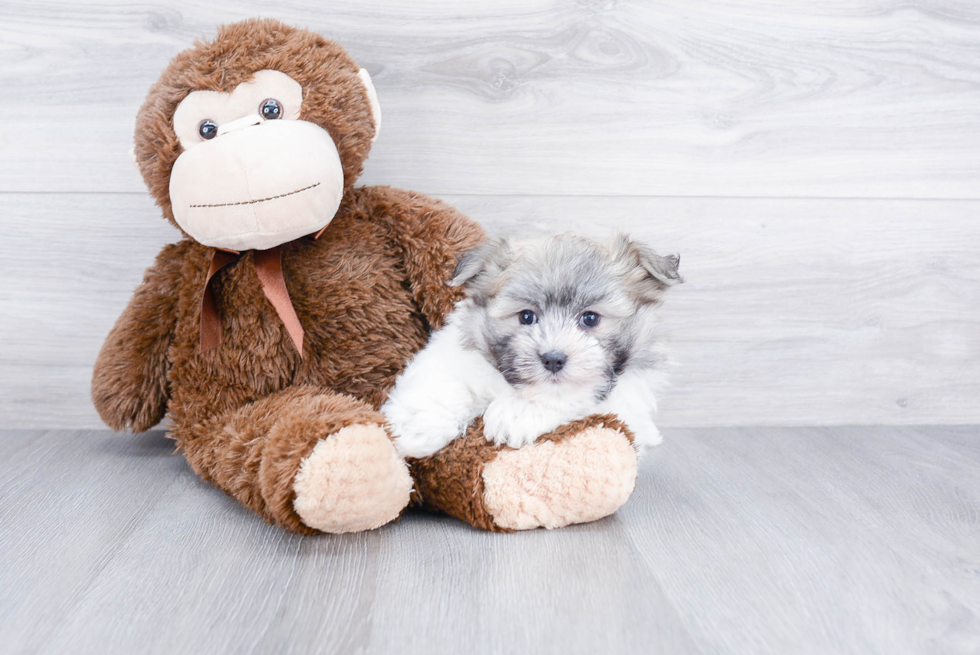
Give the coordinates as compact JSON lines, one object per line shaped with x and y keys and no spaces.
{"x":268,"y":266}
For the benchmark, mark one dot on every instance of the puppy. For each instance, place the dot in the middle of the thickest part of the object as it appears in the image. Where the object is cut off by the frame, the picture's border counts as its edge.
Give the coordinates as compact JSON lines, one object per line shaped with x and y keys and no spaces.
{"x":551,"y":330}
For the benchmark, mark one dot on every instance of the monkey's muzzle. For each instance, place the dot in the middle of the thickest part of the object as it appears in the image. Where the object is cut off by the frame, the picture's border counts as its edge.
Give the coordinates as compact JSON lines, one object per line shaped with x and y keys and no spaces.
{"x":258,"y":186}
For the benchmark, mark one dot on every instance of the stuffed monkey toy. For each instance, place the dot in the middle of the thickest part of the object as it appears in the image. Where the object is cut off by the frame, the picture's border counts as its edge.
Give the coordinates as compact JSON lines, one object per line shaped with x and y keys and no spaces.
{"x":272,"y":332}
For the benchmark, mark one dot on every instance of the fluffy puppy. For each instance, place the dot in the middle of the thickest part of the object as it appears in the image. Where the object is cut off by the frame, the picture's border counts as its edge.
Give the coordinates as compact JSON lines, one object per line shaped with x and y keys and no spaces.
{"x":551,"y":330}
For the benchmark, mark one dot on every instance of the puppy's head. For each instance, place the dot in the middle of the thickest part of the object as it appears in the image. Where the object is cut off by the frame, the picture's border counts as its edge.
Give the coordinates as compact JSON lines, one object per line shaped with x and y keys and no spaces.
{"x":563,"y":312}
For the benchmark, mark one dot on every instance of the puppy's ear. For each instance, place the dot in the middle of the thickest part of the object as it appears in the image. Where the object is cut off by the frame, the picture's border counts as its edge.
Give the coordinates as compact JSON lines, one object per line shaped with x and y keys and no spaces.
{"x":485,"y":260}
{"x":648,"y":273}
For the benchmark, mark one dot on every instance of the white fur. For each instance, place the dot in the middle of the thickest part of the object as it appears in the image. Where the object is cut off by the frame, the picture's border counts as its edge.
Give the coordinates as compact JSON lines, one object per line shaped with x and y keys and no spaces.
{"x":441,"y":391}
{"x":634,"y":401}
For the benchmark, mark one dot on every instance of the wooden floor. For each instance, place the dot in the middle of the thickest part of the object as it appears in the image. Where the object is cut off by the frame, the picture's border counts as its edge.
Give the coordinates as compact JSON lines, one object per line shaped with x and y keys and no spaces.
{"x":748,"y":540}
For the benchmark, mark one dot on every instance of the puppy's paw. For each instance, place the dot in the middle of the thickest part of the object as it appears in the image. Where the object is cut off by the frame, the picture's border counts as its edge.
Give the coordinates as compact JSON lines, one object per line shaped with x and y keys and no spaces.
{"x":420,"y":439}
{"x":510,"y":423}
{"x":644,"y":431}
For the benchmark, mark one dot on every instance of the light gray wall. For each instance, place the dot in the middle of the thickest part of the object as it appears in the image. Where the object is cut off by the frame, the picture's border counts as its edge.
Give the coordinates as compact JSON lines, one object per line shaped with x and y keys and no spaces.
{"x":817,"y":165}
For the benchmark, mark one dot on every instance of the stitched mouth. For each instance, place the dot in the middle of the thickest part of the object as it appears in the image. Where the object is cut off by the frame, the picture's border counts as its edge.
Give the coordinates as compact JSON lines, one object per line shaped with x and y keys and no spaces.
{"x":252,"y":202}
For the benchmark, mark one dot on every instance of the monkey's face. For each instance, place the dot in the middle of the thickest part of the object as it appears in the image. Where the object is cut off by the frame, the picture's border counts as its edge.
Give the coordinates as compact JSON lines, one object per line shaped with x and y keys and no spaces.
{"x":252,"y":174}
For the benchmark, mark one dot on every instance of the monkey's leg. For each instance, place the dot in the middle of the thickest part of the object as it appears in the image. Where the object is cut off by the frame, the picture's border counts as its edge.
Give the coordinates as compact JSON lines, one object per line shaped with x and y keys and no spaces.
{"x":305,"y":459}
{"x":581,"y":472}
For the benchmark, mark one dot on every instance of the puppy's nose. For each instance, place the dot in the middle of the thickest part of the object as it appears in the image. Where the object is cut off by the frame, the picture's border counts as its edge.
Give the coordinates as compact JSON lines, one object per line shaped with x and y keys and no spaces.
{"x":554,"y":361}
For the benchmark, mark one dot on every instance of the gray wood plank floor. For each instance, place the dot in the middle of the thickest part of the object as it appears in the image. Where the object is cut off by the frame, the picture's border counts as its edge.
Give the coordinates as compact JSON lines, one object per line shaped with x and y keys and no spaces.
{"x":750,"y":540}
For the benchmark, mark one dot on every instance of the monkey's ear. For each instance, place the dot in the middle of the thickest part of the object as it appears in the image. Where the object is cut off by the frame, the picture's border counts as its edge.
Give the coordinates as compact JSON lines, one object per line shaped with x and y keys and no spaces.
{"x":373,"y":99}
{"x":485,"y":260}
{"x":649,"y":273}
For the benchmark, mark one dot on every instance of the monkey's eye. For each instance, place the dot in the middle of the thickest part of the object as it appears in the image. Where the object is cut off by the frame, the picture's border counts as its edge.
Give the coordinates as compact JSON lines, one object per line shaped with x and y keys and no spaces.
{"x":208,"y":129}
{"x":527,"y":317}
{"x":271,"y":109}
{"x":589,"y":320}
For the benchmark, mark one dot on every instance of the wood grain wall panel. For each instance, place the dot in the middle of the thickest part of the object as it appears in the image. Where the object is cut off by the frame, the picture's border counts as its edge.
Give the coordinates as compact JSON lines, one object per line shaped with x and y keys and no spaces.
{"x":794,"y":311}
{"x":729,"y":97}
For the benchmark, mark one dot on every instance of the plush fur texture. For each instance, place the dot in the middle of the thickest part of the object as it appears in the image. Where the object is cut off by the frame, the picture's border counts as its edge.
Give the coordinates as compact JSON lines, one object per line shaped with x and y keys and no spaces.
{"x":247,"y":413}
{"x":250,"y":415}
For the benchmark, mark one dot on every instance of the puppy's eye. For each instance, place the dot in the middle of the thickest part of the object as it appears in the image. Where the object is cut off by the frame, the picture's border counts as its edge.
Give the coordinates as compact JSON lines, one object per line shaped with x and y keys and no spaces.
{"x":528,"y":317}
{"x":589,"y":320}
{"x":271,"y":109}
{"x":208,"y":129}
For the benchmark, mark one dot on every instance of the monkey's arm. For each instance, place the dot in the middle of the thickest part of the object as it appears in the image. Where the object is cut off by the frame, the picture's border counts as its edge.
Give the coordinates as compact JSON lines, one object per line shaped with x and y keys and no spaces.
{"x":129,"y":383}
{"x":432,"y":235}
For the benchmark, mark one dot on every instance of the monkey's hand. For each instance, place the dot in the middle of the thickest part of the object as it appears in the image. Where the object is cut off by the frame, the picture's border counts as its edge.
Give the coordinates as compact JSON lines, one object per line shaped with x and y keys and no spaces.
{"x":129,"y":382}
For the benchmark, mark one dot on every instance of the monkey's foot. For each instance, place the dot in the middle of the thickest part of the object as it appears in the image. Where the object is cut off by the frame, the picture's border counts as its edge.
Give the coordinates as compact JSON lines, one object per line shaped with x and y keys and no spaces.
{"x":551,"y":484}
{"x":352,"y":480}
{"x":581,"y":472}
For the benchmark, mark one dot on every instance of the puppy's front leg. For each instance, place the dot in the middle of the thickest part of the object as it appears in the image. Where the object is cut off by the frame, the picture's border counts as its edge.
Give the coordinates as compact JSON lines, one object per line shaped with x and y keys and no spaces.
{"x":439,"y":394}
{"x":513,"y":421}
{"x":634,"y":401}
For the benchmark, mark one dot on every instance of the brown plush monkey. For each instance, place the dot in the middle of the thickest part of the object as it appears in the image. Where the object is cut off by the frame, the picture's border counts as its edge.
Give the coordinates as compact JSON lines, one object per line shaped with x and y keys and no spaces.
{"x":271,"y":334}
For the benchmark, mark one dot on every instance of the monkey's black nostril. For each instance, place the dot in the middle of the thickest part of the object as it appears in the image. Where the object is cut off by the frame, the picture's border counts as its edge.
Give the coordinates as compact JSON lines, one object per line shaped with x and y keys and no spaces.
{"x":553,"y":361}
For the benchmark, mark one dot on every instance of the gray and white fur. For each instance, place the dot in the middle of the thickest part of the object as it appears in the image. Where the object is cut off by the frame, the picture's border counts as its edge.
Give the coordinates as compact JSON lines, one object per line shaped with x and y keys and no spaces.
{"x":551,"y":330}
